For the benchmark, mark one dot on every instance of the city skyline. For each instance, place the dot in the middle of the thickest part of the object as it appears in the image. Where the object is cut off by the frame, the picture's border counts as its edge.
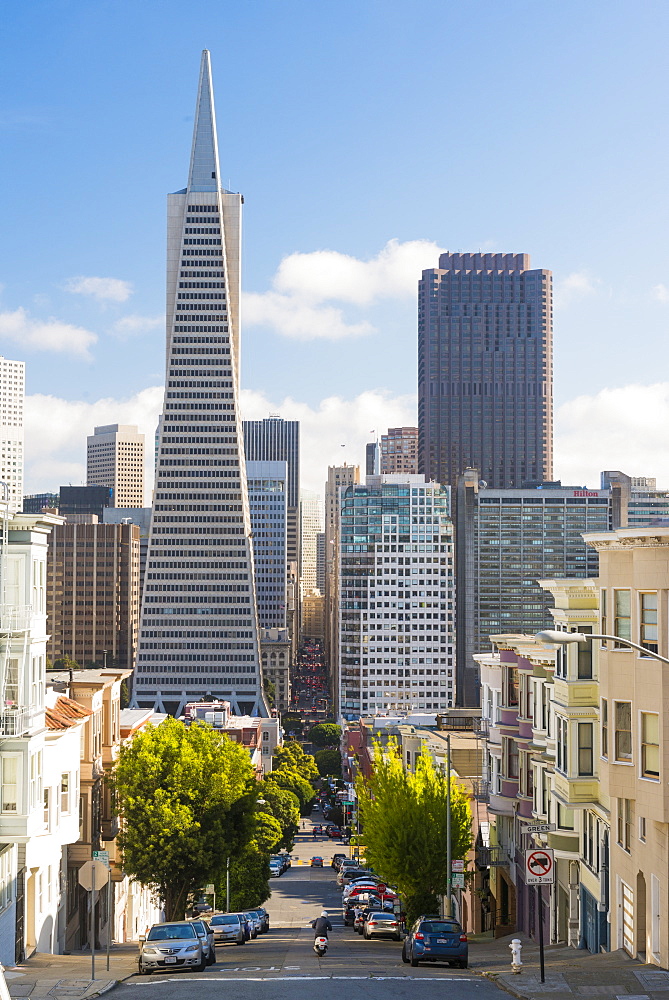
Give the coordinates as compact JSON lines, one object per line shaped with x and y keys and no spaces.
{"x":347,"y":262}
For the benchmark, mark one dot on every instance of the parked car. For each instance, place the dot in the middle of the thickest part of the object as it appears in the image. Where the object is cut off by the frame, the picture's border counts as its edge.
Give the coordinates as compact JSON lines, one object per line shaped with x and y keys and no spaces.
{"x":202,"y":906}
{"x":348,"y":875}
{"x":263,"y":917}
{"x":171,"y":945}
{"x":283,"y":860}
{"x":333,"y":832}
{"x":206,"y":936}
{"x":275,"y":868}
{"x":254,"y":922}
{"x":316,"y":862}
{"x":227,"y":927}
{"x":436,"y":939}
{"x":381,"y":924}
{"x":336,"y":858}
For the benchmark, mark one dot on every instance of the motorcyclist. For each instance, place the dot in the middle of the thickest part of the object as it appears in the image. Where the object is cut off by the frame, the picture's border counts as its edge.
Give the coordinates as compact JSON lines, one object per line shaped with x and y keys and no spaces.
{"x":321,"y":925}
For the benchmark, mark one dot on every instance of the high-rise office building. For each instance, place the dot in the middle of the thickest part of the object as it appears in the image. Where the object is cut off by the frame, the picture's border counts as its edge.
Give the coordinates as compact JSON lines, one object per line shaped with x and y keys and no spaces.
{"x":199,"y":631}
{"x":141,"y":516}
{"x":115,"y":457}
{"x":93,"y":593}
{"x":311,"y":523}
{"x":485,"y":370}
{"x":37,"y":502}
{"x":339,"y":476}
{"x":508,"y":540}
{"x":373,"y":459}
{"x":278,"y":440}
{"x":267,"y":501}
{"x":320,"y":561}
{"x":12,"y":396}
{"x":399,"y":451}
{"x":396,"y":597}
{"x":74,"y":500}
{"x":640,"y":500}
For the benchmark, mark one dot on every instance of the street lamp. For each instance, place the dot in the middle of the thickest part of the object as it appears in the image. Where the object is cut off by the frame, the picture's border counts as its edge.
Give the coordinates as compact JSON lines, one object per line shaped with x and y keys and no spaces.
{"x":563,"y":638}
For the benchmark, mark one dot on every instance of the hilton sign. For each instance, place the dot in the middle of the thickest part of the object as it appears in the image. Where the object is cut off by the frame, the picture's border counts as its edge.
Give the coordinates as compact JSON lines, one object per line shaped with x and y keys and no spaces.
{"x":586,"y":493}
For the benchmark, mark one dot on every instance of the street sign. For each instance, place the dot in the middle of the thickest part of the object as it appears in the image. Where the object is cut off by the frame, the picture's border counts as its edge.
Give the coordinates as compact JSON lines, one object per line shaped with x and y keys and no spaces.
{"x":539,"y":828}
{"x":539,"y":866}
{"x":102,"y":856}
{"x":93,"y":875}
{"x":457,"y":866}
{"x":458,"y":880}
{"x":209,"y":889}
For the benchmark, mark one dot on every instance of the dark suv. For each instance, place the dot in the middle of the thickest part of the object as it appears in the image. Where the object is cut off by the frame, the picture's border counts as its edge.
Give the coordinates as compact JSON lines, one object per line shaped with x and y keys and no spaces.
{"x":436,"y":939}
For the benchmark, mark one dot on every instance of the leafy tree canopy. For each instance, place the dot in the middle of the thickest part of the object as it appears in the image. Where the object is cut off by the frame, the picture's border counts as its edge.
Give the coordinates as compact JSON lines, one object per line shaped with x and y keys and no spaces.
{"x":292,"y":757}
{"x":284,"y":806}
{"x":268,"y":832}
{"x":295,"y":783}
{"x":249,"y":880}
{"x":328,"y":761}
{"x":325,"y":734}
{"x":404,"y":821}
{"x":186,"y":795}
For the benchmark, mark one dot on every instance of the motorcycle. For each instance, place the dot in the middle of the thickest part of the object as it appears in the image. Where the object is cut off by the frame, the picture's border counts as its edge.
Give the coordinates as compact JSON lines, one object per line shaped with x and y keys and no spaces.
{"x":321,"y":946}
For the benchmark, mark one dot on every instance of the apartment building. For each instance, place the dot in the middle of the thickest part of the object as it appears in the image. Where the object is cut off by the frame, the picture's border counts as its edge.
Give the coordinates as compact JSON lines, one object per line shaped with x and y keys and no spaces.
{"x":115,"y":458}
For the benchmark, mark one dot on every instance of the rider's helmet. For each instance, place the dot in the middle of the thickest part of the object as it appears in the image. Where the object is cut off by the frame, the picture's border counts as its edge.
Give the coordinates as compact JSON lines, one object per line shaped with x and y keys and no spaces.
{"x":324,"y":913}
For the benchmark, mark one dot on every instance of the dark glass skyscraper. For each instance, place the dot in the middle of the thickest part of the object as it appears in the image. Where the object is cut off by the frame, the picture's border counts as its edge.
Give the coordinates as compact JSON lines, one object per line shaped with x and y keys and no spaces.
{"x":485,"y":370}
{"x":278,"y":440}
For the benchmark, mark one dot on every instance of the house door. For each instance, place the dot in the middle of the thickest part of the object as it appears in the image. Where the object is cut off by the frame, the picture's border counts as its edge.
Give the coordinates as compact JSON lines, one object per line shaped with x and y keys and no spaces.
{"x":627,"y":900}
{"x":589,"y":922}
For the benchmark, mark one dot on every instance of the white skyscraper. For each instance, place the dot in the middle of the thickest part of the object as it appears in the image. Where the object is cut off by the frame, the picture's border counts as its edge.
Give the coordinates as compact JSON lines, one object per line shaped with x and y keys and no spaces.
{"x":12,"y":395}
{"x":199,"y":632}
{"x":115,"y":457}
{"x":311,"y":523}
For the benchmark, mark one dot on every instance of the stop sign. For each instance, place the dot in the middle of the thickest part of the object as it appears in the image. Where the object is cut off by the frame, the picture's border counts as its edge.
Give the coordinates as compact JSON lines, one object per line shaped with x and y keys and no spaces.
{"x":93,"y":875}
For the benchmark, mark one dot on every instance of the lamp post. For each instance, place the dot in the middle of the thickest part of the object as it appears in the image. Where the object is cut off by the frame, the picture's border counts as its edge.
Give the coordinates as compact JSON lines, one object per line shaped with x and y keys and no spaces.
{"x":563,"y":638}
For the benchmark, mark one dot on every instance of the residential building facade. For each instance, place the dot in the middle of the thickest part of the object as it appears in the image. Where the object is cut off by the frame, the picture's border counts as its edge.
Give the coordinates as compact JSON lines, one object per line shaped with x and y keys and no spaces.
{"x":115,"y":457}
{"x":276,"y":651}
{"x":485,"y":369}
{"x":199,"y":630}
{"x":396,"y":597}
{"x":399,"y":451}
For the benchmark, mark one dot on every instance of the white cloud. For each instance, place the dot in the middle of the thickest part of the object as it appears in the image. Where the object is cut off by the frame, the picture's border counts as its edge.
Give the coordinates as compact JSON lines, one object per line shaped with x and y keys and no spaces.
{"x":334,"y":422}
{"x":105,"y":289}
{"x":133,"y":325}
{"x":661,"y":293}
{"x":56,"y":431}
{"x":305,"y":282}
{"x":623,"y":428}
{"x":46,"y":335}
{"x":573,"y":287}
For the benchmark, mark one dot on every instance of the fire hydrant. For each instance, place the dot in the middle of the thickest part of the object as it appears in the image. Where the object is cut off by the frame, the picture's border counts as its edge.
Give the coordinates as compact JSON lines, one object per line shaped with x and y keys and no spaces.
{"x":516,"y":947}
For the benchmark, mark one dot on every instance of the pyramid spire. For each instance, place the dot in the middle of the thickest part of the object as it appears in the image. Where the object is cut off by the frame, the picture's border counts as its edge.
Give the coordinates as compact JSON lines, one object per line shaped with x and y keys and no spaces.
{"x":204,"y":171}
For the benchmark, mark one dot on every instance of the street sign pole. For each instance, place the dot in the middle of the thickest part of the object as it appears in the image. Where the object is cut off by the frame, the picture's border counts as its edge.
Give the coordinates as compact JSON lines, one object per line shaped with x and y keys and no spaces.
{"x":449,"y":902}
{"x":91,"y":930}
{"x":541,"y":932}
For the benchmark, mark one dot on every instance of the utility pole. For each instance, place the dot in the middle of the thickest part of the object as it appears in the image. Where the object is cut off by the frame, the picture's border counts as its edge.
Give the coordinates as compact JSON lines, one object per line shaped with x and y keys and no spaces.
{"x":227,"y":886}
{"x":449,"y":902}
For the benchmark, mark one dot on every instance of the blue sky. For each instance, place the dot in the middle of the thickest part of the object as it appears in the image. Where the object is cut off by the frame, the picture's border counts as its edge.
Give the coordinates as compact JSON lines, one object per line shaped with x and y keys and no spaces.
{"x":375,"y":131}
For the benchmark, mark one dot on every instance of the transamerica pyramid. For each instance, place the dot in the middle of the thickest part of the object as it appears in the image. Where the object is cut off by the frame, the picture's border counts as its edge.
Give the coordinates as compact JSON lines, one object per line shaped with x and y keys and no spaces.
{"x":198,"y":628}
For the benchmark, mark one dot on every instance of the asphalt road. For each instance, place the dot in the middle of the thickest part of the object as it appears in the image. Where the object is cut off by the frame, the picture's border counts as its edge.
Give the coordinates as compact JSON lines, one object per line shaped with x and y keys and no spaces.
{"x":282,"y":963}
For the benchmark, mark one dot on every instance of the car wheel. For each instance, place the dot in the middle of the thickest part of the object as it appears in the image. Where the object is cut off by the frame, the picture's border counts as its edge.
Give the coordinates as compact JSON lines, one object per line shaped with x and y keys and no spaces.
{"x":414,"y":962}
{"x":241,"y":942}
{"x":463,"y":963}
{"x":201,"y":967}
{"x":212,"y":957}
{"x":404,"y":957}
{"x":143,"y":971}
{"x":397,"y":937}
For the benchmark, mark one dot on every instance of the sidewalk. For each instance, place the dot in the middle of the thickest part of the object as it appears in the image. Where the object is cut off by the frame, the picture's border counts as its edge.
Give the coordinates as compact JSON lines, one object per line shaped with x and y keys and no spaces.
{"x":61,"y":976}
{"x":570,"y":972}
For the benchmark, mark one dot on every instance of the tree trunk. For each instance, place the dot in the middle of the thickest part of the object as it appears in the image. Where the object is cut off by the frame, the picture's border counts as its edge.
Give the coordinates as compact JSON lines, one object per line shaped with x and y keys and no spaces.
{"x":175,"y":898}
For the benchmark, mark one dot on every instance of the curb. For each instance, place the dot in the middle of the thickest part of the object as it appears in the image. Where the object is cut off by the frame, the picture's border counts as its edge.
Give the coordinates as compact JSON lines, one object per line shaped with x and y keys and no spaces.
{"x":108,"y":988}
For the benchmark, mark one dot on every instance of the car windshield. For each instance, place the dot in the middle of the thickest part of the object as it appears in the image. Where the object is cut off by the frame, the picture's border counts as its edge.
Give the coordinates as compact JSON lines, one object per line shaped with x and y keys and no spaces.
{"x":440,"y":927}
{"x":199,"y":928}
{"x":171,"y":932}
{"x":216,"y":921}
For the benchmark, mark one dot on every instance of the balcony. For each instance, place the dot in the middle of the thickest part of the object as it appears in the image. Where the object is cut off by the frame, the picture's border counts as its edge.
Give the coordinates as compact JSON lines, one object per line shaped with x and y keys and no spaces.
{"x":14,"y":618}
{"x":17,"y":721}
{"x":491,"y":857}
{"x":481,"y":789}
{"x":109,"y":828}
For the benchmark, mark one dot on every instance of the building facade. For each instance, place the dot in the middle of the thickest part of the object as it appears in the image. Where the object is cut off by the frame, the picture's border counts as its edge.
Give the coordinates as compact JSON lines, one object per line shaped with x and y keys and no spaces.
{"x":38,"y":502}
{"x":75,"y":501}
{"x":12,"y":398}
{"x":199,"y":630}
{"x":115,"y":457}
{"x":399,"y":451}
{"x":267,"y":502}
{"x":396,"y":597}
{"x":278,"y":440}
{"x":311,"y":524}
{"x":508,"y":540}
{"x":339,"y":476}
{"x":276,"y":650}
{"x":485,"y":369}
{"x":93,"y":588}
{"x":313,"y":616}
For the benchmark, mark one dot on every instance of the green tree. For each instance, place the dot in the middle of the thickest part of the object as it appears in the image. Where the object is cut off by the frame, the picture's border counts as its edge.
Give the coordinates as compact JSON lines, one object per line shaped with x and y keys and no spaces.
{"x":268,"y":832}
{"x":325,"y":734}
{"x":284,"y":806}
{"x":328,"y":761}
{"x":249,"y":880}
{"x":65,"y":663}
{"x":292,"y":757}
{"x":404,"y":822}
{"x":293,"y":782}
{"x":187,"y":797}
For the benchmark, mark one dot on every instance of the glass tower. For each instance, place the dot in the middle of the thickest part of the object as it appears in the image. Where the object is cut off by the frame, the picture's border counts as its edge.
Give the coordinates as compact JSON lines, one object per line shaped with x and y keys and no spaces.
{"x":485,"y":370}
{"x":199,"y":632}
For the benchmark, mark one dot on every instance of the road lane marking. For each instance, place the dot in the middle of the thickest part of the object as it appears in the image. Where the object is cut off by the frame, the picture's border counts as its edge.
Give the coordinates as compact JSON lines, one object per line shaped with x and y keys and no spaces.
{"x":302,"y":979}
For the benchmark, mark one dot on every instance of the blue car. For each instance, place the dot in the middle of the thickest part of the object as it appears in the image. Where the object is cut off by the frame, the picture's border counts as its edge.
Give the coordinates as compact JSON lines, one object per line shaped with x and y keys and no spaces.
{"x":436,"y":939}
